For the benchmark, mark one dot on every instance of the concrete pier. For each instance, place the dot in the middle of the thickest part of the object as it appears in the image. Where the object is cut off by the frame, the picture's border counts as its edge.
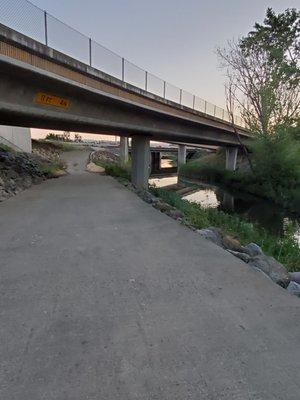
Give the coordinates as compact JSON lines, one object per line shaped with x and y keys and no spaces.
{"x":124,"y":150}
{"x":155,"y":161}
{"x":231,"y":158}
{"x":140,"y":146}
{"x":181,"y":154}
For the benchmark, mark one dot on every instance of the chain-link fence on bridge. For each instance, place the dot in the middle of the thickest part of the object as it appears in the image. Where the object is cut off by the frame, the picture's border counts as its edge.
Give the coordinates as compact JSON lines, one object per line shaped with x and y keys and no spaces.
{"x":32,"y":21}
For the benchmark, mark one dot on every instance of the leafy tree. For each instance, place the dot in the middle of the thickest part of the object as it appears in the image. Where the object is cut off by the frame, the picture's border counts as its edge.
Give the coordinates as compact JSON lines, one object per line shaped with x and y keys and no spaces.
{"x":276,"y":164}
{"x":263,"y":72}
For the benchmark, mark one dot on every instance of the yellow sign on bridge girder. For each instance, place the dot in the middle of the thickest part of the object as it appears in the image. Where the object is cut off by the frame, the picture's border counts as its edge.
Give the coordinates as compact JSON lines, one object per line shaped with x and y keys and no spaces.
{"x":51,"y":100}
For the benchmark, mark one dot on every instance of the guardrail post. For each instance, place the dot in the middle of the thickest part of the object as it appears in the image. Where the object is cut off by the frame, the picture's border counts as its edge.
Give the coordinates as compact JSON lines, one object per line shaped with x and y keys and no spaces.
{"x":123,"y":69}
{"x":90,"y":51}
{"x":205,"y":106}
{"x":46,"y":28}
{"x":223,"y":114}
{"x":215,"y":111}
{"x":194,"y":98}
{"x":180,"y":97}
{"x":146,"y":81}
{"x":164,"y":89}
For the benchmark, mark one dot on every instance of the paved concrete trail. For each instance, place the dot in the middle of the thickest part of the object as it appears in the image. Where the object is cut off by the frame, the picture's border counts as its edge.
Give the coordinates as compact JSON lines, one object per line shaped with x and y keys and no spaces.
{"x":105,"y":298}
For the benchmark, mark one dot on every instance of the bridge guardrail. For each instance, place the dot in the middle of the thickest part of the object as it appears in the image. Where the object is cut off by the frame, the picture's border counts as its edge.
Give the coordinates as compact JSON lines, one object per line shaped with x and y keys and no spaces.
{"x":32,"y":21}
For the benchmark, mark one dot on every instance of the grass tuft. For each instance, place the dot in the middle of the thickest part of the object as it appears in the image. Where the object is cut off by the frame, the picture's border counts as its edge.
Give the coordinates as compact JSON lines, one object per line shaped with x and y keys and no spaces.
{"x":53,"y":169}
{"x":60,"y":145}
{"x":114,"y":170}
{"x":284,"y":249}
{"x":6,"y":149}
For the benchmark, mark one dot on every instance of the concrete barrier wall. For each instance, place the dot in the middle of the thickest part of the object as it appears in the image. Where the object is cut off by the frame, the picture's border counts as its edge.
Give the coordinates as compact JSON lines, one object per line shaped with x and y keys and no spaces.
{"x":16,"y":137}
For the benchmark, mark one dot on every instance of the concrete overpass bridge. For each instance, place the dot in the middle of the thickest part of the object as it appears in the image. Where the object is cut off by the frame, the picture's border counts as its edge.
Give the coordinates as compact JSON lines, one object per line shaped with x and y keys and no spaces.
{"x":157,"y":153}
{"x":44,"y":88}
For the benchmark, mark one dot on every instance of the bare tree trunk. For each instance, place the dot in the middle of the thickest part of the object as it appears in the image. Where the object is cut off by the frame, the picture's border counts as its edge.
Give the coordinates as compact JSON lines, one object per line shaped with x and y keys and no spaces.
{"x":230,"y":109}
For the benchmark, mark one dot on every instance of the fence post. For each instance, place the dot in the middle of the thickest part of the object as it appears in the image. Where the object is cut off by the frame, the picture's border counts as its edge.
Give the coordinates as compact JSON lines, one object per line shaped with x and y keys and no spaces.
{"x":90,"y":51}
{"x":123,"y":69}
{"x":194,"y":98}
{"x":146,"y":81}
{"x":164,"y":89}
{"x":46,"y":28}
{"x":180,"y":96}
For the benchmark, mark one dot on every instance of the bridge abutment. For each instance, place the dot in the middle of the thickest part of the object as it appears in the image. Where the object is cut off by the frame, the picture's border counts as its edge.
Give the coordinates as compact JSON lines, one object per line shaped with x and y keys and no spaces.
{"x":140,"y":172}
{"x":231,"y":158}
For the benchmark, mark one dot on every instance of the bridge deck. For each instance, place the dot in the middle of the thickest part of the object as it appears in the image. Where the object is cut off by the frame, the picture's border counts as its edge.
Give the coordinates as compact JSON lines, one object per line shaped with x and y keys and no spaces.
{"x":30,"y":69}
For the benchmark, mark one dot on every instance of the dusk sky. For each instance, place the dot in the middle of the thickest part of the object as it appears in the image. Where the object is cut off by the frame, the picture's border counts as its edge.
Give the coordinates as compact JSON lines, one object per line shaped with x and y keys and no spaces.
{"x":173,"y":39}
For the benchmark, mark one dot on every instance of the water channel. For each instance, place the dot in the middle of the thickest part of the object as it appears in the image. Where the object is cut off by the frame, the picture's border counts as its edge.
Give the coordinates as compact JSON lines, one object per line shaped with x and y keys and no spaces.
{"x":265,"y":214}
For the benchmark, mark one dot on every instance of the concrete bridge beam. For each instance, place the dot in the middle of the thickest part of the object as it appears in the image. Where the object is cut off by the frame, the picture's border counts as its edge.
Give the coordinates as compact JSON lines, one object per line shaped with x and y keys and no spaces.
{"x":140,"y":172}
{"x":231,"y":158}
{"x":124,"y":157}
{"x":181,"y":154}
{"x":43,"y":88}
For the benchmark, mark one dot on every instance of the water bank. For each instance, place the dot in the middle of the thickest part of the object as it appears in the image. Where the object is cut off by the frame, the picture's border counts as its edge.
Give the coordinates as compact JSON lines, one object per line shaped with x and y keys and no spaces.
{"x":274,"y":219}
{"x":208,"y":212}
{"x":285,"y":249}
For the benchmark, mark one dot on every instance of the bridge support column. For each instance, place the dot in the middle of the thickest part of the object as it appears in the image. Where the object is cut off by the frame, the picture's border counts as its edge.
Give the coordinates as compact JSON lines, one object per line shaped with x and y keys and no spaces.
{"x":181,"y":154}
{"x":140,"y":172}
{"x":231,"y":158}
{"x":155,"y":161}
{"x":123,"y":150}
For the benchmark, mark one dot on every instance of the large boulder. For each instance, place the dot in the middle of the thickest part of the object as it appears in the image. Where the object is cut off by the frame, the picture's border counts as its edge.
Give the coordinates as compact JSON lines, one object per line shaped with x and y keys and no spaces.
{"x":175,"y":214}
{"x":211,"y":234}
{"x":253,"y":250}
{"x":147,"y":196}
{"x":294,"y":288}
{"x":272,"y":268}
{"x":242,"y":256}
{"x":295,"y":276}
{"x":231,"y":243}
{"x":162,"y":206}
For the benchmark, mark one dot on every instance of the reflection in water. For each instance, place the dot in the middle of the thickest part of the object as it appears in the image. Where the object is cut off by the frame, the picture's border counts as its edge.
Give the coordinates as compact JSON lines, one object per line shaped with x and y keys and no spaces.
{"x":166,"y":163}
{"x":269,"y":216}
{"x":206,"y":197}
{"x":165,"y":181}
{"x":227,"y":202}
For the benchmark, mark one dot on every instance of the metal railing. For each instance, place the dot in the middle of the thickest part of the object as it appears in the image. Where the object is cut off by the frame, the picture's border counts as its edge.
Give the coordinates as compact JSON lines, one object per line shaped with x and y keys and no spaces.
{"x":32,"y":21}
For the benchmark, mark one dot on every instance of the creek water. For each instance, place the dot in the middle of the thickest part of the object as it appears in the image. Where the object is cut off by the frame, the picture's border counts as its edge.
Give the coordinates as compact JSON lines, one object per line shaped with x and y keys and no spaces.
{"x":274,"y":219}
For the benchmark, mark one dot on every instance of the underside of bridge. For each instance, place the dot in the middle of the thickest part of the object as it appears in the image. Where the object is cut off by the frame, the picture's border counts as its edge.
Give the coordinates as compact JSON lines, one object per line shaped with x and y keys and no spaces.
{"x":42,"y":88}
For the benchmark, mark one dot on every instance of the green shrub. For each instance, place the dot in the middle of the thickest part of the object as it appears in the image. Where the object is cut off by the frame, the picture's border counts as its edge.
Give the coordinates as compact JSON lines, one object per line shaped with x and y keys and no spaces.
{"x":50,"y":169}
{"x":6,"y":149}
{"x":115,"y":170}
{"x":276,"y":163}
{"x":276,"y":170}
